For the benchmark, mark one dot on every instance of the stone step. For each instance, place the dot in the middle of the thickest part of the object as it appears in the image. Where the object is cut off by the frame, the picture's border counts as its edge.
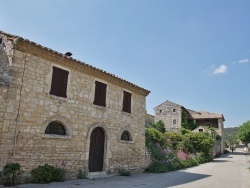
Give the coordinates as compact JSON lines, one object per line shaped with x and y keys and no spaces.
{"x":98,"y":175}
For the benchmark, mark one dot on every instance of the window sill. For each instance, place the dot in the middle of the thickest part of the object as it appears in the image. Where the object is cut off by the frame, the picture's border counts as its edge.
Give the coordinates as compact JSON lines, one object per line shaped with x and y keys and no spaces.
{"x":67,"y":137}
{"x":126,"y":113}
{"x":57,"y":98}
{"x":99,"y":107}
{"x":126,"y":141}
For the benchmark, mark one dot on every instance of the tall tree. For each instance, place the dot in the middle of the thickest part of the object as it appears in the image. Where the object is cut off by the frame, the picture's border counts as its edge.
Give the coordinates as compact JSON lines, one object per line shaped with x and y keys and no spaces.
{"x":244,"y":132}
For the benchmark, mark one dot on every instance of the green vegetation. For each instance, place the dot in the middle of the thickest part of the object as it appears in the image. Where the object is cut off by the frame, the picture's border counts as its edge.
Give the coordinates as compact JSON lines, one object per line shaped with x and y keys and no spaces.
{"x":185,"y":124}
{"x":159,"y":126}
{"x":244,"y":132}
{"x":123,"y":172}
{"x":81,"y":175}
{"x":231,"y":136}
{"x":47,"y":174}
{"x":11,"y":174}
{"x":173,"y":150}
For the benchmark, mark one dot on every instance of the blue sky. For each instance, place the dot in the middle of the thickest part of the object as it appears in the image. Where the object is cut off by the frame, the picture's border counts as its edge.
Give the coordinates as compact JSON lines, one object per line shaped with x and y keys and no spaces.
{"x":194,"y":53}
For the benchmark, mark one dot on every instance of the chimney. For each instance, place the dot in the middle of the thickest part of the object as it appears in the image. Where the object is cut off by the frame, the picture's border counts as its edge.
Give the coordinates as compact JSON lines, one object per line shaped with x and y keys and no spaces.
{"x":68,"y":54}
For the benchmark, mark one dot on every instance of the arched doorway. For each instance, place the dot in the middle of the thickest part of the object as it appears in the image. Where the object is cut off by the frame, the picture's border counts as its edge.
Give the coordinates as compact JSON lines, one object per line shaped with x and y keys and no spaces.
{"x":96,"y":151}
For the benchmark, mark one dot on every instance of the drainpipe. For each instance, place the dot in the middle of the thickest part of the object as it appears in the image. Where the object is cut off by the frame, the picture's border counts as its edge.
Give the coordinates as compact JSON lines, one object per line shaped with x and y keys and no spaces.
{"x":18,"y":110}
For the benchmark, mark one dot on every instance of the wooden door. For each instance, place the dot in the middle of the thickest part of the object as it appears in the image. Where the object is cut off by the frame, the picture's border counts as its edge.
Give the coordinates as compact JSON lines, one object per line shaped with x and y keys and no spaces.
{"x":96,"y":151}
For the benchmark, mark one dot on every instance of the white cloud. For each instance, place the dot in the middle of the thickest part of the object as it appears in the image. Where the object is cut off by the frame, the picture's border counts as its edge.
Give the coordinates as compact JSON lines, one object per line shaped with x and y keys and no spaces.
{"x":243,"y":61}
{"x":223,"y":69}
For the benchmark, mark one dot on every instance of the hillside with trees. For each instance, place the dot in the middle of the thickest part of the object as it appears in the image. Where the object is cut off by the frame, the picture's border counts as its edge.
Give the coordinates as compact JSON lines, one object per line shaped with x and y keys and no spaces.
{"x":231,"y":135}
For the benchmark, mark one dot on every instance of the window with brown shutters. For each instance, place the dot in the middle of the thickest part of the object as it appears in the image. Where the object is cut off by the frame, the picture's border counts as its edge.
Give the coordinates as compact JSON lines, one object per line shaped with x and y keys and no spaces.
{"x":59,"y":82}
{"x":126,"y":102}
{"x":100,"y":94}
{"x":55,"y":128}
{"x":126,"y":136}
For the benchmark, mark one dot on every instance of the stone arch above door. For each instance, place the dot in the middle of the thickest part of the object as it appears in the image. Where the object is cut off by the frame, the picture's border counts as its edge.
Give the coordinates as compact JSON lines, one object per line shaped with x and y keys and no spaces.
{"x":107,"y":152}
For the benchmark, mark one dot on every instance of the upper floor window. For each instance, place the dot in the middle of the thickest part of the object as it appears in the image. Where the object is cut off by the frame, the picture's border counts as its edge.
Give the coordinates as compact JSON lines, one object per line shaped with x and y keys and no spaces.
{"x":126,"y":102}
{"x":59,"y":82}
{"x":100,"y":93}
{"x":174,"y":121}
{"x":126,"y":136}
{"x":55,"y":127}
{"x":174,"y":110}
{"x":208,"y":124}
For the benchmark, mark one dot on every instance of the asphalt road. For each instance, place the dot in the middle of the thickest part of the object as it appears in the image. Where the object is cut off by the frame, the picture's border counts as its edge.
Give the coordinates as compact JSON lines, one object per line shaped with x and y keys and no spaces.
{"x":229,"y":171}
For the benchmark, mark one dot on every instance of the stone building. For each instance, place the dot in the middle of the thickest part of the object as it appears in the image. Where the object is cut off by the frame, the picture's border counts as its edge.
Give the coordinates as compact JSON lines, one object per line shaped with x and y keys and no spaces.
{"x":171,"y":115}
{"x":57,"y":110}
{"x":205,"y":120}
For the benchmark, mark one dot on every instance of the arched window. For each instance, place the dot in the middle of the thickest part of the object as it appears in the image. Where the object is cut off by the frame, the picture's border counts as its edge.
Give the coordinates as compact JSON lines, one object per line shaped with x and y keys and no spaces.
{"x":126,"y":136}
{"x":55,"y":127}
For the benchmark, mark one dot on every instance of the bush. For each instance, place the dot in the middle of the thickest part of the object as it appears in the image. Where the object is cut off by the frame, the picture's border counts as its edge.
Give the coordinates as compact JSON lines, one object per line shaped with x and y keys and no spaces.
{"x":184,"y":131}
{"x":80,"y":175}
{"x":159,"y":126}
{"x":123,"y":172}
{"x":47,"y":174}
{"x":59,"y":174}
{"x":11,"y":173}
{"x":155,"y":136}
{"x":204,"y":158}
{"x":156,"y":167}
{"x":225,"y":151}
{"x":173,"y":138}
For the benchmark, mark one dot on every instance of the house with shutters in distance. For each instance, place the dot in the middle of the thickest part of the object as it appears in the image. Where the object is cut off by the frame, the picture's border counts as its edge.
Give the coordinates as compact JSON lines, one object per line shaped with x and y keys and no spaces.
{"x":57,"y":110}
{"x":172,"y":114}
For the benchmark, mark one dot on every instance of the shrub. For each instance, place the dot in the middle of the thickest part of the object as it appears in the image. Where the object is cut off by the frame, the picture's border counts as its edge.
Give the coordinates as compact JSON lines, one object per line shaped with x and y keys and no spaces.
{"x":123,"y":172}
{"x":184,"y":131}
{"x":202,"y":142}
{"x":11,"y":174}
{"x":218,"y":137}
{"x":225,"y":151}
{"x":155,"y":136}
{"x":47,"y":174}
{"x":159,"y":126}
{"x":189,"y":162}
{"x":80,"y":175}
{"x":59,"y":174}
{"x":204,"y":158}
{"x":173,"y":138}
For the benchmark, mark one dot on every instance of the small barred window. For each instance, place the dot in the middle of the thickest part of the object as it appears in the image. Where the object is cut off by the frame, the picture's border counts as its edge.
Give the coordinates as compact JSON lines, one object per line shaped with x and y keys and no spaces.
{"x":126,"y":136}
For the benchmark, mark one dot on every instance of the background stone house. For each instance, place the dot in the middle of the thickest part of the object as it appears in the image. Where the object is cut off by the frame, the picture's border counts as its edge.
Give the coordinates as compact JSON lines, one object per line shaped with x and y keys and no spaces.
{"x":205,"y":120}
{"x":171,"y":115}
{"x":60,"y":111}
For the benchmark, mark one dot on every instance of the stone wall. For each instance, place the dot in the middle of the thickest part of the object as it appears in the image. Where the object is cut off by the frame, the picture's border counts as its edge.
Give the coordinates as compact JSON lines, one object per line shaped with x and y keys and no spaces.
{"x":165,"y":113}
{"x":30,"y":108}
{"x":149,"y":119}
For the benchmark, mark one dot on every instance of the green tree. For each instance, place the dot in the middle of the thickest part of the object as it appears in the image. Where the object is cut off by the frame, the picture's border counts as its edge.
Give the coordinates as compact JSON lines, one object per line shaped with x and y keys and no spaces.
{"x":159,"y":126}
{"x":244,"y":132}
{"x":185,"y":124}
{"x":173,"y":138}
{"x":202,"y":142}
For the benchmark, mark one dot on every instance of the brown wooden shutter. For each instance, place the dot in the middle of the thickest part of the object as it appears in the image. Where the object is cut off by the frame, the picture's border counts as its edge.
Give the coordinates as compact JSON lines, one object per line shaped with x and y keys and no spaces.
{"x":59,"y":82}
{"x":126,"y":102}
{"x":100,"y":93}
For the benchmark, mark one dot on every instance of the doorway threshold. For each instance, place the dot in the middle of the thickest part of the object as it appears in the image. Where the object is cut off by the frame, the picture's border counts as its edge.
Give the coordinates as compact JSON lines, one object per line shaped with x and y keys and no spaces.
{"x":98,"y":175}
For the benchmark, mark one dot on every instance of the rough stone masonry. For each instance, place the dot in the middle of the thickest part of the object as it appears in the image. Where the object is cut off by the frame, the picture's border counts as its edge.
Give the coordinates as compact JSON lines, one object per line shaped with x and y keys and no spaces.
{"x":27,"y":108}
